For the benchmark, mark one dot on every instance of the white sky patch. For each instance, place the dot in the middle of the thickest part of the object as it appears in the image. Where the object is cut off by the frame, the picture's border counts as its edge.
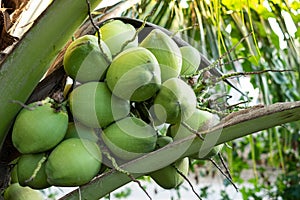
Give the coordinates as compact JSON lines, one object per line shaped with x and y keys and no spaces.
{"x":277,"y":30}
{"x":248,"y":88}
{"x":291,"y":27}
{"x":228,"y":28}
{"x":184,"y":4}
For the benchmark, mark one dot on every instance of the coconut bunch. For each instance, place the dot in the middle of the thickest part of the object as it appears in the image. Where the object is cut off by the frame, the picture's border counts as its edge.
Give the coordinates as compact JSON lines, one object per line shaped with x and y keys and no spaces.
{"x":124,"y":91}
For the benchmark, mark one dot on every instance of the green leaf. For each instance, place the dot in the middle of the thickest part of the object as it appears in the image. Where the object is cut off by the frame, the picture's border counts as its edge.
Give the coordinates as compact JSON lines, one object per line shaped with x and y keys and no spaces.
{"x":263,"y":12}
{"x":275,"y":40}
{"x":234,"y":5}
{"x":295,"y":5}
{"x":297,"y":33}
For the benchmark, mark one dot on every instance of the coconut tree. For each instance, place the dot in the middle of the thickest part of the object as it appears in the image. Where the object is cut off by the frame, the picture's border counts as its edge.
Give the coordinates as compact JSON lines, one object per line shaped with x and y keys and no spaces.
{"x":237,"y":38}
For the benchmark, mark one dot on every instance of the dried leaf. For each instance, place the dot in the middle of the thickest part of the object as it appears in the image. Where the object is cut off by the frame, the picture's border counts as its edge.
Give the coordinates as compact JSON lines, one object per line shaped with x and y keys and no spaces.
{"x":5,"y":38}
{"x":14,"y":7}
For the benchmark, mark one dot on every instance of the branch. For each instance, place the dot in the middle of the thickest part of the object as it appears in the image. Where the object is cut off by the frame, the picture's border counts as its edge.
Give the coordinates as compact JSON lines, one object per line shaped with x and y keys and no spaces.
{"x":236,"y":125}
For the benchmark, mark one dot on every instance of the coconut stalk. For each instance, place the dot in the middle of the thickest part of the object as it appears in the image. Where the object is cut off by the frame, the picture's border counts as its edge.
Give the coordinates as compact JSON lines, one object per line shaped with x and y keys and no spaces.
{"x":24,"y":67}
{"x":236,"y":125}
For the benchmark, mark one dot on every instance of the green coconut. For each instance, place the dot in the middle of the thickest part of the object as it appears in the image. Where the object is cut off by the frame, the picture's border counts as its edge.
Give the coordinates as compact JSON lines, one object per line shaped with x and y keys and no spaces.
{"x":198,"y":121}
{"x":39,"y":128}
{"x":84,"y":61}
{"x":175,"y":102}
{"x":191,"y":60}
{"x":134,"y":75}
{"x":14,"y":175}
{"x":17,"y":192}
{"x":168,"y":177}
{"x":95,"y":106}
{"x":78,"y":130}
{"x":31,"y":171}
{"x":116,"y":34}
{"x":129,"y":138}
{"x":73,"y":162}
{"x":166,"y":52}
{"x":163,"y":140}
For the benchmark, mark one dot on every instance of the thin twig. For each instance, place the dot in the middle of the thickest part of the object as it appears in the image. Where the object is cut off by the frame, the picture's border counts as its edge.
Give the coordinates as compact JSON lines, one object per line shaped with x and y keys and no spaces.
{"x":150,"y":118}
{"x":225,"y":166}
{"x":234,"y":47}
{"x":140,"y":185}
{"x":136,"y":33}
{"x":213,"y":65}
{"x":227,"y":177}
{"x":235,"y":74}
{"x":22,"y":104}
{"x":116,"y":166}
{"x":114,"y":163}
{"x":219,"y":113}
{"x":189,"y":182}
{"x":192,"y":130}
{"x":234,"y":60}
{"x":184,"y":29}
{"x":98,"y":32}
{"x":236,"y":105}
{"x":217,"y":62}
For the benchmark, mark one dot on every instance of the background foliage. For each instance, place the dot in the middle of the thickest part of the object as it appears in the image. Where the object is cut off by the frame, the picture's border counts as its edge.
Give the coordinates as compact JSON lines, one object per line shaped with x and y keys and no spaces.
{"x":214,"y":28}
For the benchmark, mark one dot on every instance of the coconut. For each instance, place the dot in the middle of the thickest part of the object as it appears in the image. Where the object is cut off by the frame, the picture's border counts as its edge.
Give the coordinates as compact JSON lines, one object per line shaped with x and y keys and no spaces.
{"x":163,"y":140}
{"x":26,"y":167}
{"x":38,"y":128}
{"x":17,"y":192}
{"x":95,"y":106}
{"x":191,"y":60}
{"x":84,"y":61}
{"x":198,"y":121}
{"x":134,"y":75}
{"x":175,"y":102}
{"x":73,"y":162}
{"x":129,"y":138}
{"x":116,"y":34}
{"x":14,"y":175}
{"x":168,"y":177}
{"x":166,"y":52}
{"x":78,"y":130}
